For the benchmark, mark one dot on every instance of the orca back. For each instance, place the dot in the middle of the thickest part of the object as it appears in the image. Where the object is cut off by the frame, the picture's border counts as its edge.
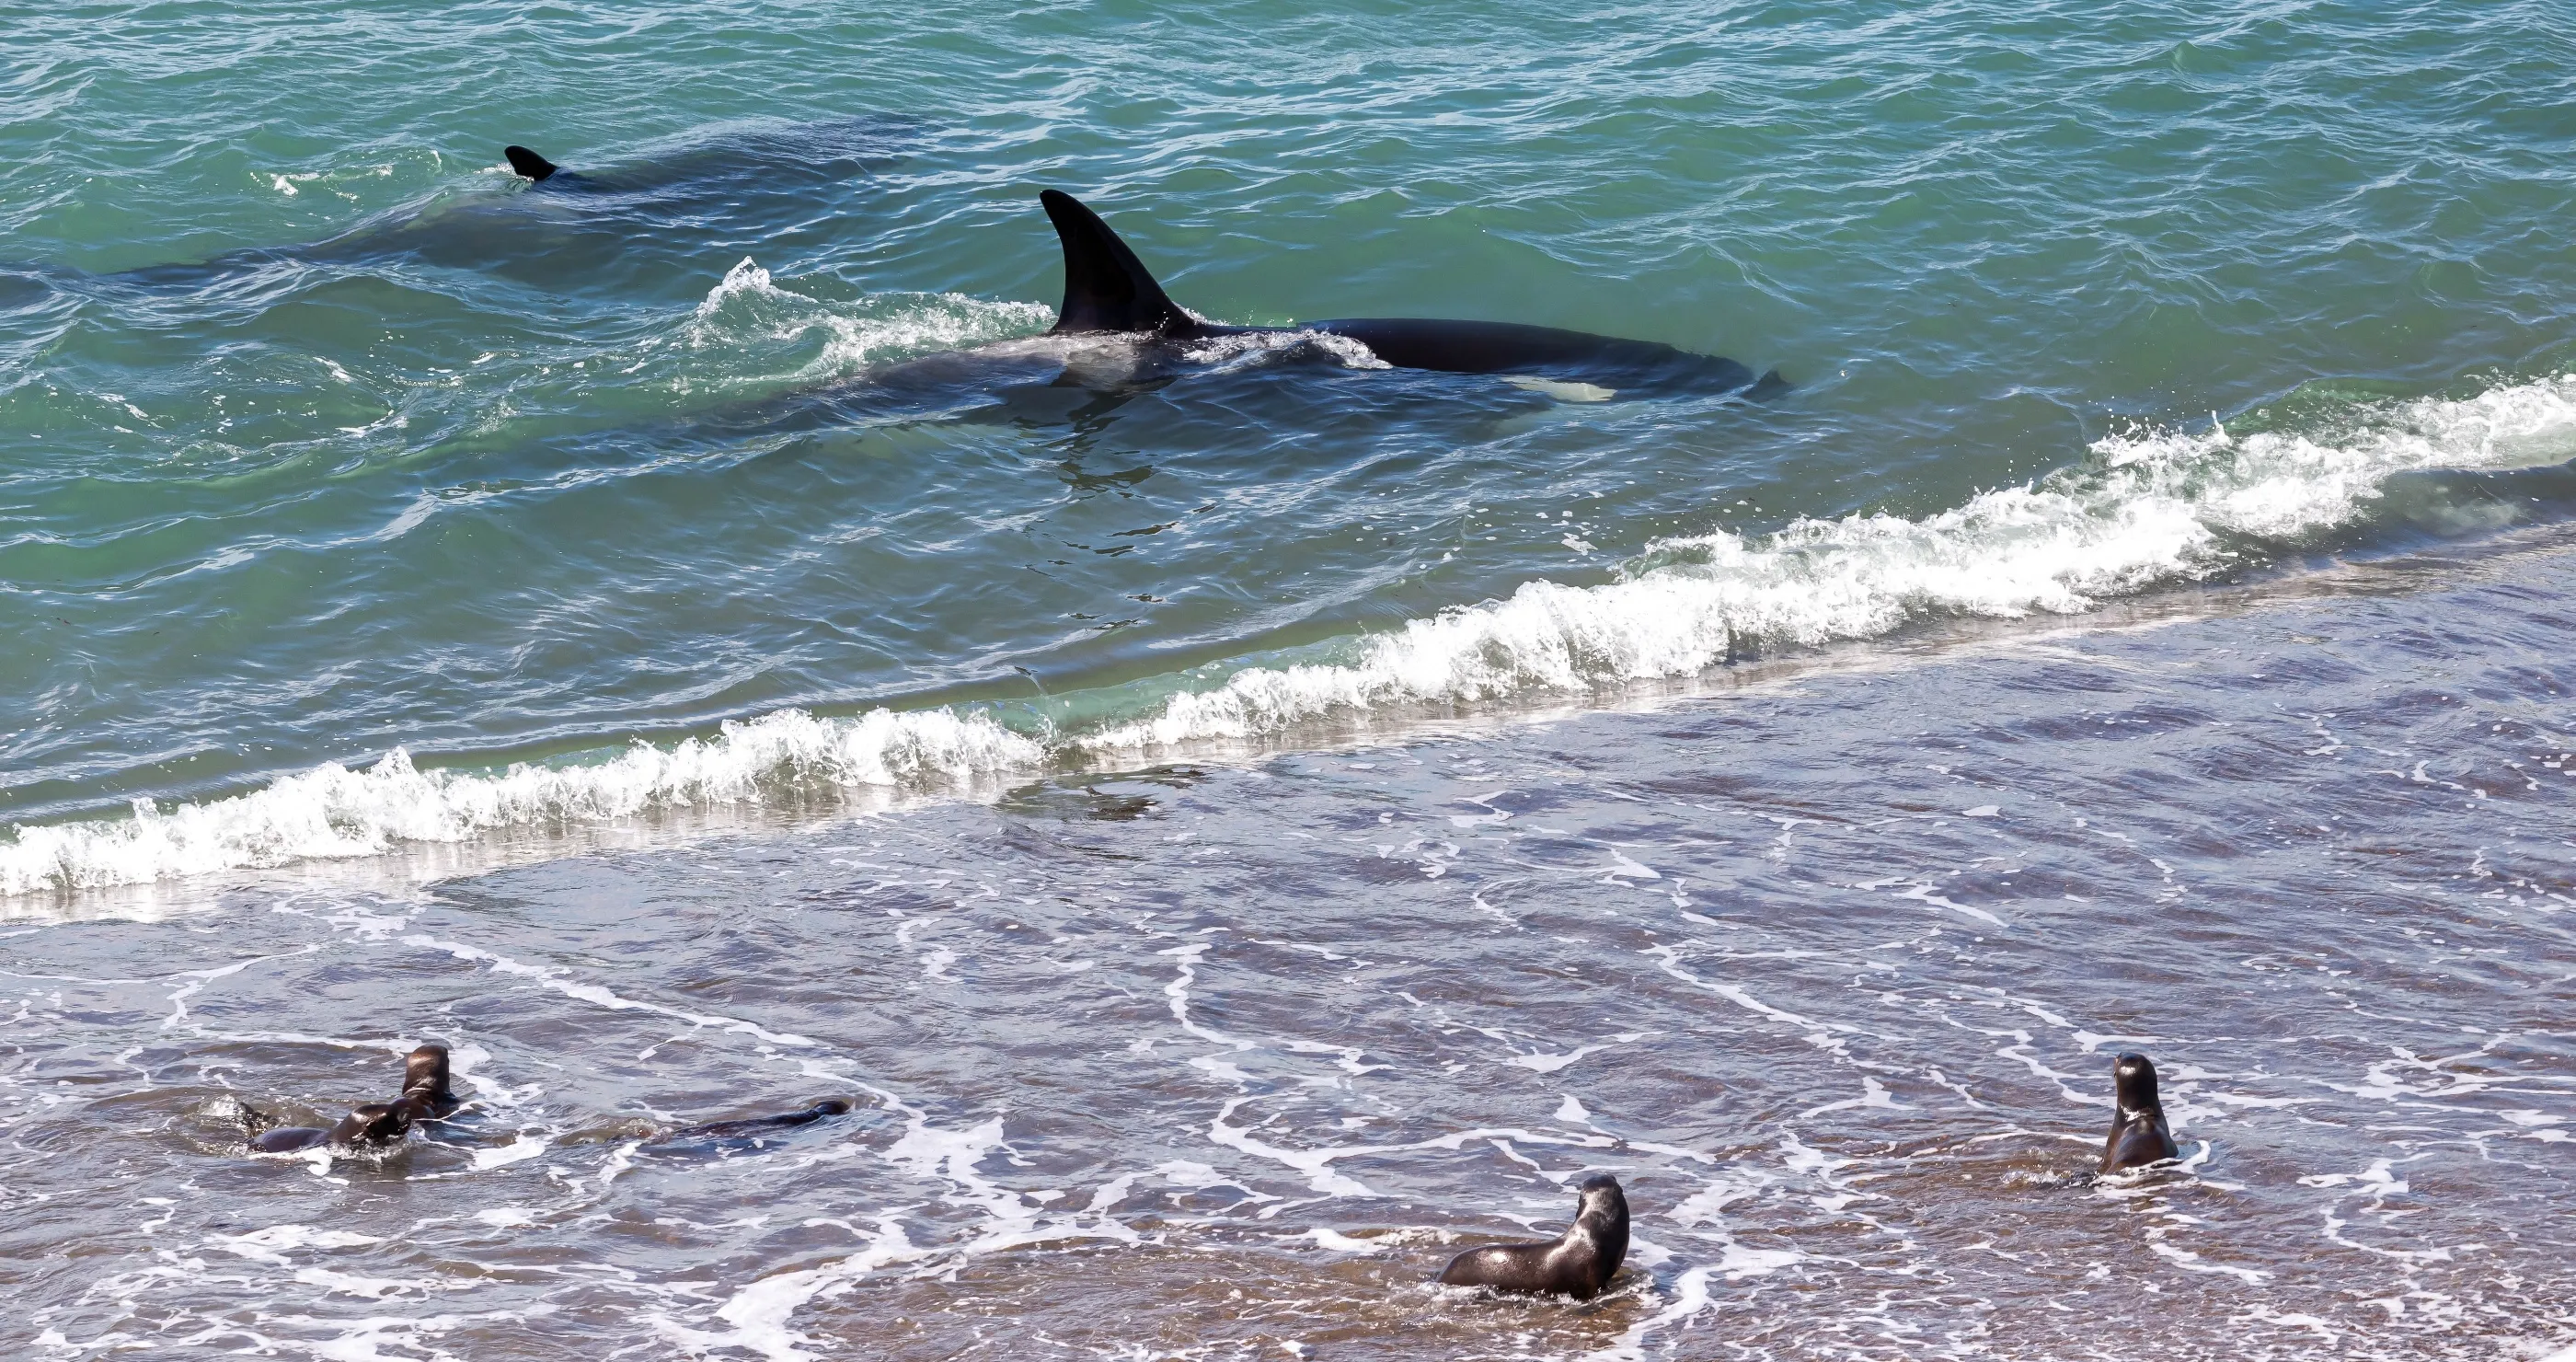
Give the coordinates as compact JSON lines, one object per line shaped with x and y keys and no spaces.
{"x":1459,"y":347}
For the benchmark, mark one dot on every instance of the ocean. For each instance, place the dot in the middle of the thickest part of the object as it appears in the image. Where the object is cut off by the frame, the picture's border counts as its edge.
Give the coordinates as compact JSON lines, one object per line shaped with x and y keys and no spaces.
{"x":1245,"y":825}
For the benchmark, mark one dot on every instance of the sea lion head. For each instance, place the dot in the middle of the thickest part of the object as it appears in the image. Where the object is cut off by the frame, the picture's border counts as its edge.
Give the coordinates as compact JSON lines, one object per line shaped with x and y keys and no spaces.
{"x":1601,"y":1222}
{"x":2135,"y":1078}
{"x":1603,"y":1200}
{"x":425,"y":1071}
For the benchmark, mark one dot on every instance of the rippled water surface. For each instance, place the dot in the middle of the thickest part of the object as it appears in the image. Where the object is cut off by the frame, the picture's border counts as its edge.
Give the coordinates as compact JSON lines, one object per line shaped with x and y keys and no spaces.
{"x":1241,"y":822}
{"x":1223,"y":1062}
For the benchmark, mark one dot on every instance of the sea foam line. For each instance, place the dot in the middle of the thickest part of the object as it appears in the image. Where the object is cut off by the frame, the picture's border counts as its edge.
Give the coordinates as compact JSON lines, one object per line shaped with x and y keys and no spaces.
{"x":334,"y":812}
{"x":2143,"y":509}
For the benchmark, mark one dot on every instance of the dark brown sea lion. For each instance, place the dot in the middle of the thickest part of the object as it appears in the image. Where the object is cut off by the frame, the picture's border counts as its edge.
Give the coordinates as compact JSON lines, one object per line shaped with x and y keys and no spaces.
{"x":426,"y":1096}
{"x":425,"y":1075}
{"x":754,"y":1126}
{"x":2138,"y":1133}
{"x":1579,"y":1263}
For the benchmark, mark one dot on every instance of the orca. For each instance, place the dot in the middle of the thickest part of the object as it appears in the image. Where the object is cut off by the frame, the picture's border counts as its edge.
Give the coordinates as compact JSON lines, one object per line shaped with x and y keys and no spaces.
{"x":528,"y":165}
{"x":730,"y":190}
{"x":1108,"y":290}
{"x":2139,"y":1135}
{"x":1578,"y":1263}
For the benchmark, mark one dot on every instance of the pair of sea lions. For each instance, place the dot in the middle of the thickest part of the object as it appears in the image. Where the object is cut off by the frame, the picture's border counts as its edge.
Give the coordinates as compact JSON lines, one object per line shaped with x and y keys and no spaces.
{"x":1581,"y":1262}
{"x":427,"y":1095}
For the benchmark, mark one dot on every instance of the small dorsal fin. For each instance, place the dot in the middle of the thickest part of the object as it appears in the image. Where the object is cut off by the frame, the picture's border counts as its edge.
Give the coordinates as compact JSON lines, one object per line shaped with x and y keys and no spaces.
{"x":1105,"y":287}
{"x":528,"y":163}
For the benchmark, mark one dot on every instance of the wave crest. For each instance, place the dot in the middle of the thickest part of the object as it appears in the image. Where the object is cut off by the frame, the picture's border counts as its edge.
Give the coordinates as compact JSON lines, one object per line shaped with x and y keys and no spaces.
{"x":2145,"y":508}
{"x":333,"y":812}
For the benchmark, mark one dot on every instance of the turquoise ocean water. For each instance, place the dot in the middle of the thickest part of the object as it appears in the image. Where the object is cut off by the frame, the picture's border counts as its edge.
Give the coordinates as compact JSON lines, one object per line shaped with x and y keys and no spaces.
{"x":322,"y":437}
{"x":1238,"y":826}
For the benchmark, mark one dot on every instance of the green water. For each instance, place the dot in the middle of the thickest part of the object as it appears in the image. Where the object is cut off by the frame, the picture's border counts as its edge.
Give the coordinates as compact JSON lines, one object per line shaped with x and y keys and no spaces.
{"x":322,"y":435}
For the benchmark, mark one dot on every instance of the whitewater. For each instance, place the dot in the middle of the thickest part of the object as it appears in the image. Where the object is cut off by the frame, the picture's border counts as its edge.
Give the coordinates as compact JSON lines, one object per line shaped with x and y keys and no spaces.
{"x":2143,"y":510}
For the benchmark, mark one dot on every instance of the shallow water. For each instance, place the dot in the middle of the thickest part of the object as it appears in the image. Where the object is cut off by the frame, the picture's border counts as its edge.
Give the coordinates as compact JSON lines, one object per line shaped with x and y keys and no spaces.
{"x":1223,"y":1061}
{"x":1242,"y":828}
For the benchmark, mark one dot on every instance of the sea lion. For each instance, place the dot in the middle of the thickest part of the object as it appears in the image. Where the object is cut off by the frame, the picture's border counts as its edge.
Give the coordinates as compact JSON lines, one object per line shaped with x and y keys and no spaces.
{"x":1578,"y":1263}
{"x":426,"y":1096}
{"x":425,"y":1074}
{"x":2138,"y":1133}
{"x":367,"y":1126}
{"x":754,"y":1126}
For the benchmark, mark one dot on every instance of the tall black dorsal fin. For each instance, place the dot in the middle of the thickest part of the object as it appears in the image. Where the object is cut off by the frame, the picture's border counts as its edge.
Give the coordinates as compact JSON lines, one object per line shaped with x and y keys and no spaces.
{"x":529,"y":163}
{"x":1105,"y":287}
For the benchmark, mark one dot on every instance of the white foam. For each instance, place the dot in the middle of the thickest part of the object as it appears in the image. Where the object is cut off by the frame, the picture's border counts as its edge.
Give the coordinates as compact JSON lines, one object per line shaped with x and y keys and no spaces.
{"x":758,"y":1313}
{"x":1250,"y":348}
{"x":272,"y":1244}
{"x":1334,"y":1241}
{"x":1690,"y":1298}
{"x":332,"y":811}
{"x":2144,"y":509}
{"x":748,"y":311}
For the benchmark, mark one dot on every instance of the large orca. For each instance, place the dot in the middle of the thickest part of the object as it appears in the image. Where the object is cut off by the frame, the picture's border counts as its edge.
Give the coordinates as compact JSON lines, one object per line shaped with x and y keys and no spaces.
{"x":725,"y":191}
{"x":1108,"y":290}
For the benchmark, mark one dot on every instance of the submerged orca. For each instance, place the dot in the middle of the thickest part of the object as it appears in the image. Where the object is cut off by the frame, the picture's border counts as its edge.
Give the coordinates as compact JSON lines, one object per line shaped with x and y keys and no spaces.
{"x":730,"y":189}
{"x":1578,"y":1263}
{"x":1107,"y":289}
{"x":2139,"y":1135}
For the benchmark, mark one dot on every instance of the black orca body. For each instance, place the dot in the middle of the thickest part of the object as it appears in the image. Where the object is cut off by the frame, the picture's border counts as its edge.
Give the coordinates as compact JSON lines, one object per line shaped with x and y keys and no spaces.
{"x":1107,"y":289}
{"x":2139,"y":1135}
{"x":373,"y":1125}
{"x":1578,"y":1263}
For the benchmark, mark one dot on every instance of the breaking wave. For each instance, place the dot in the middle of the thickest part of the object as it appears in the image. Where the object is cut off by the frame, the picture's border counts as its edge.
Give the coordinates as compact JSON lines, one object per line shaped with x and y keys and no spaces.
{"x":2143,"y":509}
{"x":2146,"y":508}
{"x":334,"y":812}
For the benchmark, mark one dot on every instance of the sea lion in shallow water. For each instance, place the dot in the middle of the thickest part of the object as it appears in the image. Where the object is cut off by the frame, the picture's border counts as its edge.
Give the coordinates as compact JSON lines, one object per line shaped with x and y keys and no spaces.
{"x":370,"y":1125}
{"x":754,"y":1126}
{"x":426,"y":1096}
{"x":1578,"y":1263}
{"x":2138,"y":1133}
